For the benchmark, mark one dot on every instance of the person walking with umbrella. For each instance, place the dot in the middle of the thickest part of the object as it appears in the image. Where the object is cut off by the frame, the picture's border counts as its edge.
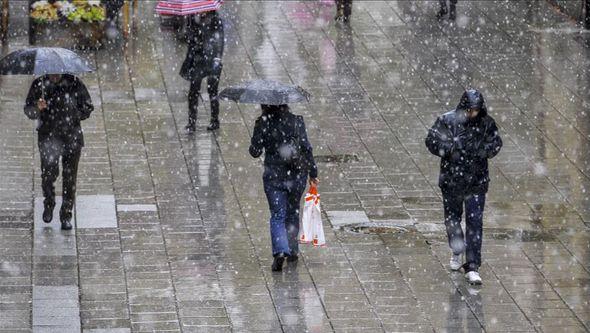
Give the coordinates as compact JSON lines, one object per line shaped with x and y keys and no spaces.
{"x":288,"y":159}
{"x":465,"y":139}
{"x":203,"y":60}
{"x":59,"y":101}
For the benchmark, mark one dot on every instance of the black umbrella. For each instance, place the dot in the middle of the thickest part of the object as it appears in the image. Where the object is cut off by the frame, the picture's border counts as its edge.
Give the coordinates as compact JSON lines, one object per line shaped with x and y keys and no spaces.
{"x":265,"y":92}
{"x":43,"y":60}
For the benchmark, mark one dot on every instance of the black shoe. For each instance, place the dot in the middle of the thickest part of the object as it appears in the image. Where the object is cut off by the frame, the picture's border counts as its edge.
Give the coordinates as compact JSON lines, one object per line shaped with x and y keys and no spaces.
{"x":213,"y":125}
{"x":48,"y":212}
{"x":293,"y":258}
{"x":441,"y":13}
{"x":190,"y":127}
{"x":66,"y":225}
{"x":277,"y":264}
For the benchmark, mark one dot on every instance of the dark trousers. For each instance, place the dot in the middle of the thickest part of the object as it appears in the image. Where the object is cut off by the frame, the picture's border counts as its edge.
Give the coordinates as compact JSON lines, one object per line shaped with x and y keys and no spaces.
{"x":471,"y":242}
{"x":195,"y":92}
{"x":284,"y":198}
{"x":50,"y":150}
{"x":344,"y":7}
{"x":443,"y":4}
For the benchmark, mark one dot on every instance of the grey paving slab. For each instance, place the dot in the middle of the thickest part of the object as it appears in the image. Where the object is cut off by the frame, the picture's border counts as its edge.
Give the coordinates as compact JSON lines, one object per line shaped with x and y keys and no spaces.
{"x":56,"y":308}
{"x":95,"y":211}
{"x":137,"y":208}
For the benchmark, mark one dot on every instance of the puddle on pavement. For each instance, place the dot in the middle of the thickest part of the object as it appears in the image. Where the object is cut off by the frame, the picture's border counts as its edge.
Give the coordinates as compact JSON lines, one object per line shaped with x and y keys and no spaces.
{"x":374,"y":228}
{"x":339,"y":158}
{"x":520,"y":235}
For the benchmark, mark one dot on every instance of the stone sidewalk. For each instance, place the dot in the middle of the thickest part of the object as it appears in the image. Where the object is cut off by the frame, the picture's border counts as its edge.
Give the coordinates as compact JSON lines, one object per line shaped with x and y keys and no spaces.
{"x":172,"y":229}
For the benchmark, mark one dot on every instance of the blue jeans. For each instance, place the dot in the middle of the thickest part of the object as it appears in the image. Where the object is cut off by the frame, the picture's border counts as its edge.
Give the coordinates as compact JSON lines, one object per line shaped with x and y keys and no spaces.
{"x":471,"y":243}
{"x":284,"y":198}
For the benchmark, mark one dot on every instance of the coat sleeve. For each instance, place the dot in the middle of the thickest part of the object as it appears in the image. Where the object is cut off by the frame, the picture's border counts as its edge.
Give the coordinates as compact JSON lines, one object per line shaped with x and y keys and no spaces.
{"x":492,"y":141}
{"x":257,"y":141}
{"x":33,"y":96}
{"x":306,"y":148}
{"x":83,"y":100}
{"x":439,"y":140}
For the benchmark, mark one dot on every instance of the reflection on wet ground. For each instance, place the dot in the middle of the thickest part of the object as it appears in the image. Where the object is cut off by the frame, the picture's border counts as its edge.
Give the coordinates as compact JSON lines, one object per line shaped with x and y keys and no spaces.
{"x":191,"y":250}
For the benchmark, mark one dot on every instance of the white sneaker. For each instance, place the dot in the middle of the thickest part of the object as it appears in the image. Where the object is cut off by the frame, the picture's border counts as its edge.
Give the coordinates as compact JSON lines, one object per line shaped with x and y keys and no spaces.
{"x":473,"y":277}
{"x":455,"y":262}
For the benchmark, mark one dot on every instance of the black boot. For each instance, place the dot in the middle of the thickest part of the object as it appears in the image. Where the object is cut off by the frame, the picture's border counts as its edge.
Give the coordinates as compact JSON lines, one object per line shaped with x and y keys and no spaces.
{"x":293,"y":258}
{"x":213,"y":125}
{"x":48,"y":211}
{"x":191,"y":126}
{"x":66,"y":225}
{"x":277,"y":264}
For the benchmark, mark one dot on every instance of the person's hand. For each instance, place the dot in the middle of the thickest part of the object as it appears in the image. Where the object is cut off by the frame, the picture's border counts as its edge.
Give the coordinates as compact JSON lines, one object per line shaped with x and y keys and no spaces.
{"x":314,"y":181}
{"x":41,"y":104}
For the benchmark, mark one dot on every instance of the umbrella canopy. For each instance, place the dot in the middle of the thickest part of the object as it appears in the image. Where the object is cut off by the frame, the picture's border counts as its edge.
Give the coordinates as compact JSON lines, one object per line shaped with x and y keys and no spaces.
{"x":265,"y":92}
{"x":186,"y":7}
{"x":43,"y":60}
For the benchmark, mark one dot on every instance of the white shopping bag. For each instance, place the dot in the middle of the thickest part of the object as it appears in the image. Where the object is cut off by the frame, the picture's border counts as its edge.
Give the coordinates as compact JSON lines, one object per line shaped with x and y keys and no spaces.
{"x":312,"y":230}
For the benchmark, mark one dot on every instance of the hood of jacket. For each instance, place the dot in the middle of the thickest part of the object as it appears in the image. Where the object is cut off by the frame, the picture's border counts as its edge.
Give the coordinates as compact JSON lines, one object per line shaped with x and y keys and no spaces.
{"x":473,"y":99}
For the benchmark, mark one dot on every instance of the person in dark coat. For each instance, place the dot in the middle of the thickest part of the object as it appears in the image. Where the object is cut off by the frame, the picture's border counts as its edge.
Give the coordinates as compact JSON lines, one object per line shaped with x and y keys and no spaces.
{"x":59,"y":103}
{"x":451,"y":9}
{"x":465,"y":139}
{"x":203,"y":60}
{"x":288,"y":161}
{"x":343,"y":10}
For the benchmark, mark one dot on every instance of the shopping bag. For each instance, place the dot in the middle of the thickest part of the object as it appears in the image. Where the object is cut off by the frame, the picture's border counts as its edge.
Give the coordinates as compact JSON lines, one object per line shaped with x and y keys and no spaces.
{"x":311,"y":229}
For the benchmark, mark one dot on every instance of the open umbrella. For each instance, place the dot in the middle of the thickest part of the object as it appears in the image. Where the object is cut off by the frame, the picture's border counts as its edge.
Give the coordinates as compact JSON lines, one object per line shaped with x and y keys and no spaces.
{"x":265,"y":92}
{"x":43,"y":60}
{"x":186,"y":7}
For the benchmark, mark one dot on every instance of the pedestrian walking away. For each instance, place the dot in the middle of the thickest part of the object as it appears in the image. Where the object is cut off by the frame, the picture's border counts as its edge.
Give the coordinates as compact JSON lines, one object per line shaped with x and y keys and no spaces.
{"x":465,"y":139}
{"x":451,"y":10}
{"x":288,"y":162}
{"x":203,"y":60}
{"x":59,"y":102}
{"x":343,"y":10}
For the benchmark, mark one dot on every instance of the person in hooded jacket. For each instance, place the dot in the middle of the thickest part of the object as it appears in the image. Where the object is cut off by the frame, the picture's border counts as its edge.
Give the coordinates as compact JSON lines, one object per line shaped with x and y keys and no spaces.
{"x":203,"y":60}
{"x":288,"y":162}
{"x":59,"y":103}
{"x":465,"y":139}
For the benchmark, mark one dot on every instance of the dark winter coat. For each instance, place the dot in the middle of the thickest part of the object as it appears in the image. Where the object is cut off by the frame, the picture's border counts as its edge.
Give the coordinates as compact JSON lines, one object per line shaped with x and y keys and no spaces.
{"x":464,"y":145}
{"x":205,"y":47}
{"x":271,"y":131}
{"x":68,"y":103}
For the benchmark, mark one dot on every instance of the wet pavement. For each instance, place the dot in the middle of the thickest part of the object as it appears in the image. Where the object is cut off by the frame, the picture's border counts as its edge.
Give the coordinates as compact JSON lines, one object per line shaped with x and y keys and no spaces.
{"x":172,"y":229}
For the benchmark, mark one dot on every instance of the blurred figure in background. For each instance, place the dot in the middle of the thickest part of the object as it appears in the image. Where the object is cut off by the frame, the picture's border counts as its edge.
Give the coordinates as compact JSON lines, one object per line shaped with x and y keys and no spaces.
{"x":451,"y":10}
{"x":343,"y":10}
{"x":203,"y":60}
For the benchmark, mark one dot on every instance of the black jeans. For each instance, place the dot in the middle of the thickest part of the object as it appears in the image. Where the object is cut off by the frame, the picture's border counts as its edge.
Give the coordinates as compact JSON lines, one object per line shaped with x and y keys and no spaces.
{"x":471,"y":243}
{"x":194,"y":94}
{"x":50,"y":150}
{"x":443,"y":4}
{"x":344,"y":7}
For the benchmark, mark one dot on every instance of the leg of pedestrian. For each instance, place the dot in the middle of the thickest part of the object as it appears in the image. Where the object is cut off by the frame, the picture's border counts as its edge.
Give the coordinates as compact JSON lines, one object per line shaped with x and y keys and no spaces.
{"x":277,"y":202}
{"x":452,"y":9}
{"x":49,"y":172}
{"x":443,"y":9}
{"x":212,"y":90}
{"x":293,"y":217}
{"x":347,"y":10}
{"x":453,"y":208}
{"x":193,"y":103}
{"x":70,"y":161}
{"x":474,"y":206}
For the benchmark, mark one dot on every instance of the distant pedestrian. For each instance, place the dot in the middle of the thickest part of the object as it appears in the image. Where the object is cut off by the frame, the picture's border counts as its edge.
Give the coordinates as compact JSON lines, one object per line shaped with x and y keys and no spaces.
{"x":465,"y":139}
{"x":451,"y":10}
{"x":59,"y":103}
{"x":288,"y":161}
{"x":343,"y":10}
{"x":203,"y":60}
